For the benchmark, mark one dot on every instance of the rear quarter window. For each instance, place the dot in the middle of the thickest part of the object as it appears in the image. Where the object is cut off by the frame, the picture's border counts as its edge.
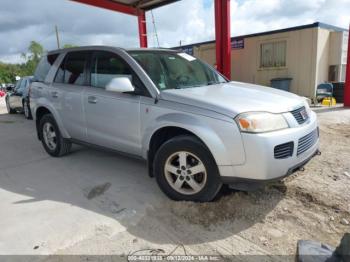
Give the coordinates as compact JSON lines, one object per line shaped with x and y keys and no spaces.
{"x":43,"y":67}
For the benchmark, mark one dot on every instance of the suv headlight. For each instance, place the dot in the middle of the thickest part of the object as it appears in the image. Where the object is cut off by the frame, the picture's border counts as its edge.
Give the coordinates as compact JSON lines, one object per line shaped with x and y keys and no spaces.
{"x":259,"y":122}
{"x":307,"y":108}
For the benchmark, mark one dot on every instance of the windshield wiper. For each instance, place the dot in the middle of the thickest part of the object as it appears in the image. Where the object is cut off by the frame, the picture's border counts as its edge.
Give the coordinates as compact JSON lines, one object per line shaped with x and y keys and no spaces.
{"x":213,"y":83}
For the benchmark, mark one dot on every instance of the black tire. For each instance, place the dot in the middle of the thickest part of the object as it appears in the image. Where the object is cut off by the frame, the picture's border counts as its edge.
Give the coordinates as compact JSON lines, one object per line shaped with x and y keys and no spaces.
{"x":193,"y":146}
{"x":9,"y":109}
{"x":63,"y":145}
{"x":28,"y":113}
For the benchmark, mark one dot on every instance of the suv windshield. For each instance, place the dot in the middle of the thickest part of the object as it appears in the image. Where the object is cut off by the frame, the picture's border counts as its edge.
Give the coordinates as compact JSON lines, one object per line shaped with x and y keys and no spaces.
{"x":170,"y":70}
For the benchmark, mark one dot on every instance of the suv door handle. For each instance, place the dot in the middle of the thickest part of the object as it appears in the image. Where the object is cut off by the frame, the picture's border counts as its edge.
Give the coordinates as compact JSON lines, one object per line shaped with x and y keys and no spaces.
{"x":92,"y":99}
{"x":54,"y":94}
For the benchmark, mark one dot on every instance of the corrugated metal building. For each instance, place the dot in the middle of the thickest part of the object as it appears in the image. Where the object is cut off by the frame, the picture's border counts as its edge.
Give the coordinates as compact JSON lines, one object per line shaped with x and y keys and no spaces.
{"x":309,"y":54}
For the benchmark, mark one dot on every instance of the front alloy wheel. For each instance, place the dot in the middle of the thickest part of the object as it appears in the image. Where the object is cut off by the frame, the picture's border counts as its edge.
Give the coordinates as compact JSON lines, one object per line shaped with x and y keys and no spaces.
{"x":49,"y":135}
{"x":185,"y":170}
{"x":185,"y":173}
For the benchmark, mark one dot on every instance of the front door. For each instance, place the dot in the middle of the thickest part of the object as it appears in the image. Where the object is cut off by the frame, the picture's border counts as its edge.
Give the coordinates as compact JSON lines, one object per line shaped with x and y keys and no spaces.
{"x":112,"y":119}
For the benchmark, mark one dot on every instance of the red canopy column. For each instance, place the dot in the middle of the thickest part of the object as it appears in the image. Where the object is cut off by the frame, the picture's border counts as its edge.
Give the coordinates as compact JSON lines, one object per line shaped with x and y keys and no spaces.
{"x":142,"y":28}
{"x":347,"y":81}
{"x":223,"y":37}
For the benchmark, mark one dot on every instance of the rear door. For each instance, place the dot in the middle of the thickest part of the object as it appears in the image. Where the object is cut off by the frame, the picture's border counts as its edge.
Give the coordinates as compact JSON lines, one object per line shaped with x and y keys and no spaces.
{"x":67,"y":90}
{"x":16,"y":96}
{"x":112,"y":119}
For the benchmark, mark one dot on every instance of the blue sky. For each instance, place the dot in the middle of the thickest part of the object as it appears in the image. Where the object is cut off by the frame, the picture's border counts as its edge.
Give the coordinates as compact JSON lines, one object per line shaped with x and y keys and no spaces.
{"x":207,"y":3}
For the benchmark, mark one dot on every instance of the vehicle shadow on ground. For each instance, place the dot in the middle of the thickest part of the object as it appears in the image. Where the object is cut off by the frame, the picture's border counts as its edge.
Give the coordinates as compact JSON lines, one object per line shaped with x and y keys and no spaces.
{"x":120,"y":188}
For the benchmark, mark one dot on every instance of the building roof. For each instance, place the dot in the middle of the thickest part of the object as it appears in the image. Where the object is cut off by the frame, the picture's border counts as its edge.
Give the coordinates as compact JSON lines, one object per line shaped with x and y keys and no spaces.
{"x":290,"y":29}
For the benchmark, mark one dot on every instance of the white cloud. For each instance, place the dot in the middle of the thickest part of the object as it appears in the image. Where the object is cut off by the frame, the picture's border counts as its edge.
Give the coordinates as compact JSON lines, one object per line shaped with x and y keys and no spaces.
{"x":191,"y":22}
{"x":188,"y":21}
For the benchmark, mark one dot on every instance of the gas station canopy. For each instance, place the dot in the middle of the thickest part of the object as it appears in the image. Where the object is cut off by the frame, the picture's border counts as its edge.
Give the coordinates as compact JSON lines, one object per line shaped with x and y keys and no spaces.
{"x":145,"y":4}
{"x":131,"y":7}
{"x":139,"y":7}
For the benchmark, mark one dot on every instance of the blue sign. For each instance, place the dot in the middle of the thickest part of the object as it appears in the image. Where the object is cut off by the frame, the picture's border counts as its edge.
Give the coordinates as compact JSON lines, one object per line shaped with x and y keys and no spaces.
{"x":237,"y":43}
{"x":188,"y":50}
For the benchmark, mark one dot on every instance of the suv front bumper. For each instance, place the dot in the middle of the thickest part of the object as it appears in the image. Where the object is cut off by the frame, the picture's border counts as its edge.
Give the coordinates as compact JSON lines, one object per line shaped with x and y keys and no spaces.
{"x":261,"y":164}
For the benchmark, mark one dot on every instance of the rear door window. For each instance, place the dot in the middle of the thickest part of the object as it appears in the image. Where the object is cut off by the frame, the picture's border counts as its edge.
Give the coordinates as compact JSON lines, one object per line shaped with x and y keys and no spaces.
{"x":44,"y":67}
{"x":72,"y":69}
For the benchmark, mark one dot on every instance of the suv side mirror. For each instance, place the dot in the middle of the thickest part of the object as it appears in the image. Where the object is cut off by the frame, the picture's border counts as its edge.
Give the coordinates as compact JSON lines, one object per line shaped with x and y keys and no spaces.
{"x":120,"y":85}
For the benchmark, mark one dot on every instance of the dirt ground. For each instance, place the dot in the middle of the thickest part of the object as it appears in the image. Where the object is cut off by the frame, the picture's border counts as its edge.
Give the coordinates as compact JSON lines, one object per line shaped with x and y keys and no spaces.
{"x":312,"y":204}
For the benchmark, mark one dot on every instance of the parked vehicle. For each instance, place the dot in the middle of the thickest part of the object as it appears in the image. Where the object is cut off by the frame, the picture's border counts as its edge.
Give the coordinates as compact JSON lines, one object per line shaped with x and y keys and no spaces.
{"x":196,"y":130}
{"x":17,"y":99}
{"x":3,"y":87}
{"x":8,"y":87}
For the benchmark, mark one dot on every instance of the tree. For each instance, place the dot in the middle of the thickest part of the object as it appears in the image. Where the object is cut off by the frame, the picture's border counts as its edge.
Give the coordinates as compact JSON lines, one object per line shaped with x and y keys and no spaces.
{"x":69,"y":46}
{"x":35,"y":52}
{"x":8,"y":72}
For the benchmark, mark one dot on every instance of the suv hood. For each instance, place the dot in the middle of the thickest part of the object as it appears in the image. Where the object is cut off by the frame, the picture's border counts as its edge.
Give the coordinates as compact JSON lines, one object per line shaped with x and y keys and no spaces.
{"x":234,"y":98}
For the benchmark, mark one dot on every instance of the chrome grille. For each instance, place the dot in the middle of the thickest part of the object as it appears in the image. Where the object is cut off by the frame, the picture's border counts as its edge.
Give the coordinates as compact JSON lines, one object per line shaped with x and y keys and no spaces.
{"x":300,"y":115}
{"x":284,"y":150}
{"x":306,"y":142}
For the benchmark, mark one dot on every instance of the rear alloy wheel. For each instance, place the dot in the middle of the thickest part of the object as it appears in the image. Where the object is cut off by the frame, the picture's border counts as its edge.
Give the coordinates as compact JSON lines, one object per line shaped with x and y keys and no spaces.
{"x":9,"y":109}
{"x":26,"y":110}
{"x":54,"y":144}
{"x":186,"y":171}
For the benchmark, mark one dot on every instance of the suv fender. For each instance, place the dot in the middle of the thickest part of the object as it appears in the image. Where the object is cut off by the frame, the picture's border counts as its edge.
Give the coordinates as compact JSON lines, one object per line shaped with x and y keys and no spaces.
{"x":210,"y":132}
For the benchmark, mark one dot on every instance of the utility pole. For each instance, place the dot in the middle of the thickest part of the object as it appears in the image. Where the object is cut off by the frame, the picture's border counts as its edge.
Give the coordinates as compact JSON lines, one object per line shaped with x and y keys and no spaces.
{"x":57,"y":37}
{"x":155,"y":28}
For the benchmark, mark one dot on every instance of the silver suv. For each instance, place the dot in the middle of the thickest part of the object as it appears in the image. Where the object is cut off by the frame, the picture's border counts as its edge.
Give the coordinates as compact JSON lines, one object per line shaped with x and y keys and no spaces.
{"x":196,"y":129}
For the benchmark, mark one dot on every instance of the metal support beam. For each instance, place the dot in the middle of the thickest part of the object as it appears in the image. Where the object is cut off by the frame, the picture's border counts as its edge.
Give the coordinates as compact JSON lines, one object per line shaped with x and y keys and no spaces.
{"x":113,"y":6}
{"x":347,"y":81}
{"x":223,"y":37}
{"x":142,"y":28}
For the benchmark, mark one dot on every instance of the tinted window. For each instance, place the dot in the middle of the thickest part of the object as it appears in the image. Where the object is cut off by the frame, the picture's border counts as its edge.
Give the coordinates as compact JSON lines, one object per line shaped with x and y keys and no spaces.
{"x":22,"y":86}
{"x":18,"y":84}
{"x":72,"y":69}
{"x":105,"y":67}
{"x":44,"y":66}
